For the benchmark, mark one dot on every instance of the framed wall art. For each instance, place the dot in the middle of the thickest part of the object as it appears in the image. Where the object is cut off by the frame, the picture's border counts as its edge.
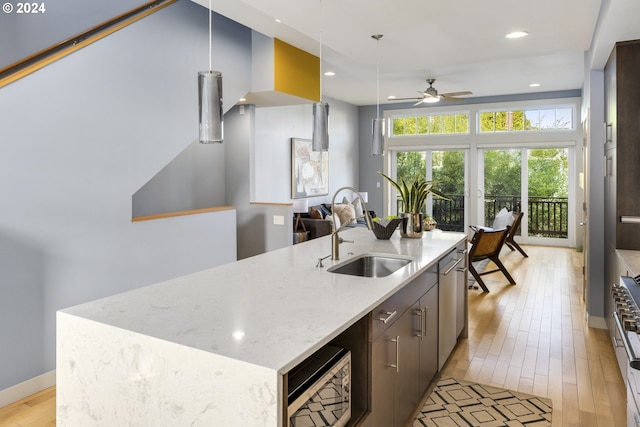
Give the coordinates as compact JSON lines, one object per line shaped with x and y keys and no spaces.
{"x":309,"y":170}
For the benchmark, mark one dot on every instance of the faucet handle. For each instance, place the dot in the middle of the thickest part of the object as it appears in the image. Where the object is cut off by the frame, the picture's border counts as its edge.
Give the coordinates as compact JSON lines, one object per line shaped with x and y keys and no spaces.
{"x":345,"y":241}
{"x":319,"y":264}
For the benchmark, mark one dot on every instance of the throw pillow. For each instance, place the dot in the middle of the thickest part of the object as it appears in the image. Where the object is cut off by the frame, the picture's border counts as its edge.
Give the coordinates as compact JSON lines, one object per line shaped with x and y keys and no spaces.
{"x":324,"y":211}
{"x":357,"y":207}
{"x":336,"y":222}
{"x":503,"y":219}
{"x":315,"y":213}
{"x":345,"y":213}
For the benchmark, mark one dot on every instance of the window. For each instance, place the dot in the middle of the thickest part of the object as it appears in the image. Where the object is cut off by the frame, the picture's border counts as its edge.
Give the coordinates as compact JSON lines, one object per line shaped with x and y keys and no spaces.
{"x":526,"y":120}
{"x":437,"y":124}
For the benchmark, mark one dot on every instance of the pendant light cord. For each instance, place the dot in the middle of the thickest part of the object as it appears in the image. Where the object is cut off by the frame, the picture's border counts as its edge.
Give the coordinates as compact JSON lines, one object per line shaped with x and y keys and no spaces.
{"x":378,"y":78}
{"x":210,"y":13}
{"x":377,"y":38}
{"x":320,"y":50}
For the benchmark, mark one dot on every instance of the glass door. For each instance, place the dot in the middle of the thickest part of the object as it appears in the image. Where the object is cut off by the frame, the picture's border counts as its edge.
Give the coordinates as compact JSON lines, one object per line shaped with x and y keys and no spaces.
{"x":501,"y":183}
{"x":532,"y":180}
{"x":448,"y":169}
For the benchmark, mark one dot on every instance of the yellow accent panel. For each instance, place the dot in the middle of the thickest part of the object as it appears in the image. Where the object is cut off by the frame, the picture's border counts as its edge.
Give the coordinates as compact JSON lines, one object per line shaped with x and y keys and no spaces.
{"x":296,"y":72}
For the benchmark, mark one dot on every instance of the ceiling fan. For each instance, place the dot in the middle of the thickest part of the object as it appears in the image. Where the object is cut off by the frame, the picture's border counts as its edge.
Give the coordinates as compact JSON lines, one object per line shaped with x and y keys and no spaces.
{"x":431,"y":95}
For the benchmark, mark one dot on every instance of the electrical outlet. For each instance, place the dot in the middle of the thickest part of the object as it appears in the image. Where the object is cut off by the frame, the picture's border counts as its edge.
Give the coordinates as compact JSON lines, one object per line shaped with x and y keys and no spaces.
{"x":278,"y":220}
{"x":378,"y":184}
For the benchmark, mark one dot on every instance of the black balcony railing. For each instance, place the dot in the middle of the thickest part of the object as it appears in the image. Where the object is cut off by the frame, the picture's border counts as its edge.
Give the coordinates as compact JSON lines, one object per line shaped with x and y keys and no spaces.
{"x":547,"y":216}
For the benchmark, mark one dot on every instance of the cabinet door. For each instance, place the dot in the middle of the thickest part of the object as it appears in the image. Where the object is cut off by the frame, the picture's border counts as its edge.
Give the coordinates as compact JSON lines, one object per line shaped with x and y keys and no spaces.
{"x":395,"y":372}
{"x":382,"y":381}
{"x":428,"y":327}
{"x":447,"y":319}
{"x":407,"y":378}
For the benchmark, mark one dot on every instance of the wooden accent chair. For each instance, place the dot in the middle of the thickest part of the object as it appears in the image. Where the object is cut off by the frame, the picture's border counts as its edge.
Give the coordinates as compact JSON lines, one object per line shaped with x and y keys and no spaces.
{"x":515,"y":225}
{"x":486,"y":244}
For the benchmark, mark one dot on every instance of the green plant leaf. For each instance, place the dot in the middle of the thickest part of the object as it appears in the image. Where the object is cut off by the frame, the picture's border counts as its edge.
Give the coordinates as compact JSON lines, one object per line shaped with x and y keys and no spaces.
{"x":414,"y":196}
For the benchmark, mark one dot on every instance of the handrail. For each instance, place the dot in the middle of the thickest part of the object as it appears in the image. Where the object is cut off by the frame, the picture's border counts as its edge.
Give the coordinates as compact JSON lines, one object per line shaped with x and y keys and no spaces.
{"x":32,"y":63}
{"x":181,"y":213}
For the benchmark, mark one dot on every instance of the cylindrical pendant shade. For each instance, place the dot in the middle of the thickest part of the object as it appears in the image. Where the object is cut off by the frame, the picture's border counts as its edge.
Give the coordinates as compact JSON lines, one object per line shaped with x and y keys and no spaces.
{"x":320,"y":139}
{"x":210,"y":105}
{"x":377,"y":148}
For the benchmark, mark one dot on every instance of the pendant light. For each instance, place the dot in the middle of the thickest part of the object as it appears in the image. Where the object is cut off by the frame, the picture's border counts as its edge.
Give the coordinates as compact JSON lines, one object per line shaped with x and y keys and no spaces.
{"x":320,"y":136}
{"x":378,"y":125}
{"x":210,"y":100}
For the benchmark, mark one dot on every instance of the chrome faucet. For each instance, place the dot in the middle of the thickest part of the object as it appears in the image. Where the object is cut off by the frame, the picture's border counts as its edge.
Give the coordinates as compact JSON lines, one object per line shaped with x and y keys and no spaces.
{"x":335,"y":238}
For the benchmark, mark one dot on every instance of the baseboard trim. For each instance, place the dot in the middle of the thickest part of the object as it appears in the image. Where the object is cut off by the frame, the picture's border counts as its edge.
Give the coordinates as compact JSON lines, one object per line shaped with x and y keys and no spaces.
{"x":596,"y":322}
{"x":27,"y":388}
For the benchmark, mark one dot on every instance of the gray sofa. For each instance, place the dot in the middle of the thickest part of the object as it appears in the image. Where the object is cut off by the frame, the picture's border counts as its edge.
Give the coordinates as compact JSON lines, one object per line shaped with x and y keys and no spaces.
{"x":322,"y":227}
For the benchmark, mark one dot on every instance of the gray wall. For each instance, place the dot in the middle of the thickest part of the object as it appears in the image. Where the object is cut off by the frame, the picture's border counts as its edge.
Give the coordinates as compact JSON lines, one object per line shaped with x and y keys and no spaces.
{"x":77,"y":139}
{"x":195,"y":177}
{"x":593,"y":107}
{"x":22,"y":35}
{"x":190,"y":181}
{"x":370,"y":165}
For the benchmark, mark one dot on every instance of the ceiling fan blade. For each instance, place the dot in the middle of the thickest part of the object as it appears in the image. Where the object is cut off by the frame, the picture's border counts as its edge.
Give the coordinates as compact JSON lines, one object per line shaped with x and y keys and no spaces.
{"x":404,"y":99}
{"x":451,"y":98}
{"x":418,"y":103}
{"x":450,"y":94}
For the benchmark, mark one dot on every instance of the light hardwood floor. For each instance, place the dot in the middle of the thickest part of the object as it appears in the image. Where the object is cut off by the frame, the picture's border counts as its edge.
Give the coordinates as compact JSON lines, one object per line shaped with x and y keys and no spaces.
{"x":530,"y":337}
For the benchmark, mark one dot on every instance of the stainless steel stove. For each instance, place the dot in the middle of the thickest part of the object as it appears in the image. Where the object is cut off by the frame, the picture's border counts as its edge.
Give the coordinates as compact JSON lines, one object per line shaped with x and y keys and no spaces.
{"x":626,"y":341}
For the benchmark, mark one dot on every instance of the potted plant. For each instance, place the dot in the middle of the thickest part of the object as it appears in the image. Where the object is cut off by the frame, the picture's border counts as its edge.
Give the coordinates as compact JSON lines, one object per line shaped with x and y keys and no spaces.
{"x":414,"y":197}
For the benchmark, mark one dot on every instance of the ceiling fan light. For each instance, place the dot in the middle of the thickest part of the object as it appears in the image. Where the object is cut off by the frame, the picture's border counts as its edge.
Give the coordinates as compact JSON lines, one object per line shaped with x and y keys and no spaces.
{"x":517,"y":34}
{"x":431,"y":99}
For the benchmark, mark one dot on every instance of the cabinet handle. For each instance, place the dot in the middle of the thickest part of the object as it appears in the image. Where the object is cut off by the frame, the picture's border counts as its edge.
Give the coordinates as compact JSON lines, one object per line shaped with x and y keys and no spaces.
{"x":420,"y":313}
{"x":426,"y":320}
{"x":630,"y":219}
{"x":397,"y":364}
{"x":461,"y":251}
{"x":462,"y":270}
{"x":389,"y":314}
{"x":453,"y":266}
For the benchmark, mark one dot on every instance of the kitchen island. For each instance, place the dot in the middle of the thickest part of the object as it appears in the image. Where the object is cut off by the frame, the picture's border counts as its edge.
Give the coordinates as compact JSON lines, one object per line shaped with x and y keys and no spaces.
{"x":212,"y":348}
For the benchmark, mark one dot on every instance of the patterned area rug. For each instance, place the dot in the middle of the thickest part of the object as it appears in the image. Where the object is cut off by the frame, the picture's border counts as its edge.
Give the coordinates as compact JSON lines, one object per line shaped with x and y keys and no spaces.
{"x":454,"y":403}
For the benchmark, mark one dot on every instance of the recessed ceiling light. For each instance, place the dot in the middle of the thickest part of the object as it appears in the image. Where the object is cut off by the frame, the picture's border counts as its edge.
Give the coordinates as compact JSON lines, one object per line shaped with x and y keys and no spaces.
{"x":517,"y":34}
{"x":277,"y":20}
{"x":391,"y":97}
{"x":534,"y":85}
{"x":242,"y":99}
{"x":329,"y":73}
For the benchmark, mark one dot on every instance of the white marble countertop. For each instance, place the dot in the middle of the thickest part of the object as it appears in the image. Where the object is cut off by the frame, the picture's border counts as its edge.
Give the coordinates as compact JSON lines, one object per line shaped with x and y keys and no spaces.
{"x":272,"y":310}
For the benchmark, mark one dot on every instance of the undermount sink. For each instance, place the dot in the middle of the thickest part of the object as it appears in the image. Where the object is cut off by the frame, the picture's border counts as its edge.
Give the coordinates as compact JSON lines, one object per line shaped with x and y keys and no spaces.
{"x":370,"y":265}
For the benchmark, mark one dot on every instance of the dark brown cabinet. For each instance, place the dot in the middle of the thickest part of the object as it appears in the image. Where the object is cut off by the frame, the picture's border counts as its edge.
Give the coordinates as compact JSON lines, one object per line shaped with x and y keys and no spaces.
{"x":404,"y":350}
{"x":395,"y":372}
{"x":622,"y":157}
{"x":622,"y":146}
{"x":428,"y":334}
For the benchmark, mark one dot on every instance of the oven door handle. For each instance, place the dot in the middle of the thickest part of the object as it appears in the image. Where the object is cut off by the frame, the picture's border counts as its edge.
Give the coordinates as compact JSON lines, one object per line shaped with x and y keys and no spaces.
{"x":634,"y":362}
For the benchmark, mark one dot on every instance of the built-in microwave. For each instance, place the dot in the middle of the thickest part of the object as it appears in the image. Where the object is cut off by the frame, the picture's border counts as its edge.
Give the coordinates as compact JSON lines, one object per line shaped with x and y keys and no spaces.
{"x":319,"y":390}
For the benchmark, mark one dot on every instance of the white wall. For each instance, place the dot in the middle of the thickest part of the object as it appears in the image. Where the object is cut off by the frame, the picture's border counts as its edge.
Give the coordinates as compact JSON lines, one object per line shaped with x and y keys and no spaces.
{"x":275,"y":126}
{"x":77,"y":139}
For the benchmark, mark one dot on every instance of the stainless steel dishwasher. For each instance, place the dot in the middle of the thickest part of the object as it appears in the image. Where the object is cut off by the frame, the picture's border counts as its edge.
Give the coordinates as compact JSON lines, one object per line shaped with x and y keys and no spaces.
{"x":449,"y":283}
